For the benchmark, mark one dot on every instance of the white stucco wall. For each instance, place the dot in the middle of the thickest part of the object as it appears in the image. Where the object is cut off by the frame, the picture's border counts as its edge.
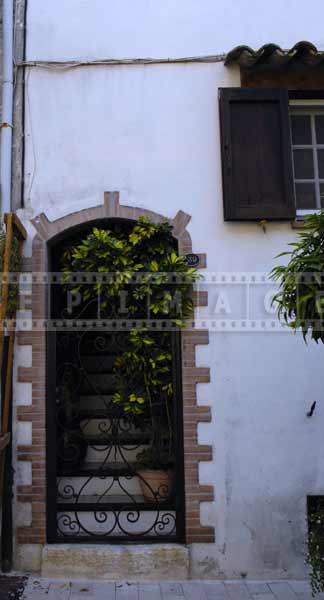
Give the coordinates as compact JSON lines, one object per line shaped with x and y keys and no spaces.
{"x":152,"y":133}
{"x":119,"y":28}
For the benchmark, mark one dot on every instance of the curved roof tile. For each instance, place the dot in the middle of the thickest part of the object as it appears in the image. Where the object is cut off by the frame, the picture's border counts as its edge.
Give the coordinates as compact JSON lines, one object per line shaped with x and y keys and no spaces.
{"x":273,"y":56}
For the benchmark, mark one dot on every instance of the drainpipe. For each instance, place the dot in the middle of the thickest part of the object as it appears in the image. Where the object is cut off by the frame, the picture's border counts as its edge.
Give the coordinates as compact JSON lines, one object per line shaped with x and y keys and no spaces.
{"x":5,"y":207}
{"x":7,"y":106}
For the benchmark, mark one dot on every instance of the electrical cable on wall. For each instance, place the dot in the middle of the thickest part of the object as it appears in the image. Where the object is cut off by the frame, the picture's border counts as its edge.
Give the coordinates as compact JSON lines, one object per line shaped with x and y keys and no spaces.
{"x":66,"y":65}
{"x":70,"y":64}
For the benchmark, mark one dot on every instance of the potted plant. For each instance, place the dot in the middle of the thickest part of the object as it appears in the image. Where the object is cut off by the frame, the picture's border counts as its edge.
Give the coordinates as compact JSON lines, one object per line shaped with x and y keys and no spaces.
{"x":155,"y":475}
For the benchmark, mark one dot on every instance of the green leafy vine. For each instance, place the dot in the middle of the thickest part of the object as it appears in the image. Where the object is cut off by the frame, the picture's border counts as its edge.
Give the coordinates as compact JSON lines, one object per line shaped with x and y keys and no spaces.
{"x":163,"y":290}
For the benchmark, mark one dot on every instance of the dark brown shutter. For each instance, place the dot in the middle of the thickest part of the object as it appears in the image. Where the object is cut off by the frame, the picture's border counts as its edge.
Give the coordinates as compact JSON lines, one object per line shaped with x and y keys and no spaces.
{"x":256,"y":154}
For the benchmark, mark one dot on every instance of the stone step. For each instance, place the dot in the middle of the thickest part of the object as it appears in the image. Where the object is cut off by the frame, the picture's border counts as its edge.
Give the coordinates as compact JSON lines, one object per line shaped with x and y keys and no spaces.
{"x":113,"y":562}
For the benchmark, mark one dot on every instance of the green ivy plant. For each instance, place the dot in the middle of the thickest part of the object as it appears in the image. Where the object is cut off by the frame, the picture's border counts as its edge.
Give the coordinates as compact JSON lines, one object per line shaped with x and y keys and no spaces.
{"x":300,"y":301}
{"x":143,"y":373}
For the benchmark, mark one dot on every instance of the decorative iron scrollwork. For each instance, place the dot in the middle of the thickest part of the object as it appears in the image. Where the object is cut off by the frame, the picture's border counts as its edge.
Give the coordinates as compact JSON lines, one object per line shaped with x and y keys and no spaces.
{"x":99,"y":484}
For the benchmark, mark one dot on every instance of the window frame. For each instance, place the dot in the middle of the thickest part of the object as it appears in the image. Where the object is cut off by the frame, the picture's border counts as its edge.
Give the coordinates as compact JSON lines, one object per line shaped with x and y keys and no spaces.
{"x":312,"y":105}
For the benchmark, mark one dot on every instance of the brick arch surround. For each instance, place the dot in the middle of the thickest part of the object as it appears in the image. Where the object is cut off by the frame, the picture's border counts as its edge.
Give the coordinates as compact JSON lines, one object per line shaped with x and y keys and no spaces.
{"x":35,"y":454}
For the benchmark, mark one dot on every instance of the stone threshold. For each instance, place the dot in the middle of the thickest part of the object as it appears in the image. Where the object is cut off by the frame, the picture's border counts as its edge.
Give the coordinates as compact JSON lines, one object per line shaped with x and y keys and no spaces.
{"x":138,"y":562}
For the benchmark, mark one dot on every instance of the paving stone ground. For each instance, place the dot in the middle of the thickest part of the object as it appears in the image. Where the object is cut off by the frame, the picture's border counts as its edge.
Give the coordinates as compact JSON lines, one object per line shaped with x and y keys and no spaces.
{"x":43,"y":589}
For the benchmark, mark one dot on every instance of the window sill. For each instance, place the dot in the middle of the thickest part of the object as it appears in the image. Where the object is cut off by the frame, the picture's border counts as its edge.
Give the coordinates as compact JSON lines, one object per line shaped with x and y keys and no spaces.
{"x":299,"y":221}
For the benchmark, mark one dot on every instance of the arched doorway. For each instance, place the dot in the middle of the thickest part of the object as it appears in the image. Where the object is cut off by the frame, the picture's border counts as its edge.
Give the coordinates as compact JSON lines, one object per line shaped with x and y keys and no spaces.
{"x":40,"y":495}
{"x":114,"y":474}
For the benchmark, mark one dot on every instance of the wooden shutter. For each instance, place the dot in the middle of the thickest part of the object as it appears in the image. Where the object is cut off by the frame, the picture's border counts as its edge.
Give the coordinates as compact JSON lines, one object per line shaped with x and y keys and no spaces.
{"x":256,"y":154}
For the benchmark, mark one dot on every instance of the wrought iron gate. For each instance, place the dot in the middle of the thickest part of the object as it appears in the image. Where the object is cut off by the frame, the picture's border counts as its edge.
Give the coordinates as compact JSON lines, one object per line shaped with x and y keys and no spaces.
{"x":96,"y":491}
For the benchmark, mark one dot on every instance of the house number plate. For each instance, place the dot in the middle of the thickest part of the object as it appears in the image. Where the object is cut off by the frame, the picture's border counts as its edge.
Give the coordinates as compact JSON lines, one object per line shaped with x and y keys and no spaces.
{"x":192,"y":260}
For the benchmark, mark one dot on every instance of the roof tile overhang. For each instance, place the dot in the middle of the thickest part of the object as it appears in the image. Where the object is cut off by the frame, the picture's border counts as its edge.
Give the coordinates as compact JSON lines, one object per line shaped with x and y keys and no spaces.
{"x":273,"y":57}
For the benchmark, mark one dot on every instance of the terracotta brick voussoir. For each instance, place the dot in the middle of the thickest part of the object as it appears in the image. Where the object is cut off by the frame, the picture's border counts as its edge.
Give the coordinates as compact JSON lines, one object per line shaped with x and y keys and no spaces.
{"x":36,"y":375}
